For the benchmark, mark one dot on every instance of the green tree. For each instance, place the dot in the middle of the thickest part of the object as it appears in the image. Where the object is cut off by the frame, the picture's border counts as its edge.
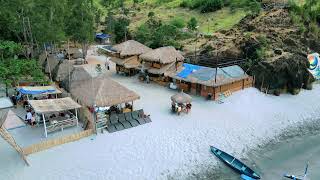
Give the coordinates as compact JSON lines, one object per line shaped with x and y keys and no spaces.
{"x":12,"y":70}
{"x":120,"y":30}
{"x":193,"y":23}
{"x":80,"y":22}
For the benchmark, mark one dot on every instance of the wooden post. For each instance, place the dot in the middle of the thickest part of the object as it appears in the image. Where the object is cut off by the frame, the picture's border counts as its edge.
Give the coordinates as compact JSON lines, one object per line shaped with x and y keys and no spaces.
{"x":77,"y":117}
{"x":45,"y":126}
{"x":132,"y":106}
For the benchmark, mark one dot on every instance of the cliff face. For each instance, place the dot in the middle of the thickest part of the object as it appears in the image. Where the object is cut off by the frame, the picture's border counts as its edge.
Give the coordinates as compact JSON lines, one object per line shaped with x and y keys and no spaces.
{"x":277,"y":50}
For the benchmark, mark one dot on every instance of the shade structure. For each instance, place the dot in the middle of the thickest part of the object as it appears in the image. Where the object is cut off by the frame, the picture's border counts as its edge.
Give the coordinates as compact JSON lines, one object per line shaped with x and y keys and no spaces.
{"x":163,"y":55}
{"x":131,"y":48}
{"x":33,"y":90}
{"x":181,"y":97}
{"x":53,"y":105}
{"x":101,"y":91}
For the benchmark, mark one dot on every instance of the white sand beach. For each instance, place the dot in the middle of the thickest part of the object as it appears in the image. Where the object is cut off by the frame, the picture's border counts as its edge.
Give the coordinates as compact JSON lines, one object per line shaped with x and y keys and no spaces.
{"x":171,"y":145}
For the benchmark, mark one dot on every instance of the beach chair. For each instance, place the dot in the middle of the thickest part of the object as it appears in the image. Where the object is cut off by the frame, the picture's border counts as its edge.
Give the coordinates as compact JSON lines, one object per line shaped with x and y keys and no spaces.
{"x":135,"y":115}
{"x":143,"y":116}
{"x":123,"y":121}
{"x":132,"y":121}
{"x":114,"y":121}
{"x":111,"y":128}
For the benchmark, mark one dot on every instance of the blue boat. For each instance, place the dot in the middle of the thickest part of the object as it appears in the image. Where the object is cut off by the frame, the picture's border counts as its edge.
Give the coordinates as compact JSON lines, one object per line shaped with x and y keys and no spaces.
{"x":234,"y":163}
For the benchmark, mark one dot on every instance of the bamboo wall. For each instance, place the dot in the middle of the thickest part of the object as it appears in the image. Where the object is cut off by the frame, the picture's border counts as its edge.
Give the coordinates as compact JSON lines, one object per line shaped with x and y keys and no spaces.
{"x":56,"y":142}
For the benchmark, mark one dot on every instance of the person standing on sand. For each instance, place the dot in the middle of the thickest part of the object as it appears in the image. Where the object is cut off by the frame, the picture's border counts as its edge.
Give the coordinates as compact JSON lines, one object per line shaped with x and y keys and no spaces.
{"x":29,"y":117}
{"x":107,"y":64}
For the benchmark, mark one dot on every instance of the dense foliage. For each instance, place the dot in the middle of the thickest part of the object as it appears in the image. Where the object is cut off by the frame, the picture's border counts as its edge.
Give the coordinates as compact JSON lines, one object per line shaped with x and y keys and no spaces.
{"x":214,"y":5}
{"x":155,"y":33}
{"x":306,"y":15}
{"x":12,"y":69}
{"x":35,"y":23}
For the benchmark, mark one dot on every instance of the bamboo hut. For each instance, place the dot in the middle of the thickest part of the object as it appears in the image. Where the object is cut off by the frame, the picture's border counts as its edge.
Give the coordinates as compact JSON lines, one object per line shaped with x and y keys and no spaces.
{"x":64,"y":70}
{"x":159,"y":61}
{"x":100,"y":92}
{"x":126,"y":56}
{"x":210,"y":82}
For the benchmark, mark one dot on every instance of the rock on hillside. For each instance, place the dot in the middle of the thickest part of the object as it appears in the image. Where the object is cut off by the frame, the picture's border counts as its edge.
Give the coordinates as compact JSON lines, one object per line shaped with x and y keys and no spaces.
{"x":276,"y":47}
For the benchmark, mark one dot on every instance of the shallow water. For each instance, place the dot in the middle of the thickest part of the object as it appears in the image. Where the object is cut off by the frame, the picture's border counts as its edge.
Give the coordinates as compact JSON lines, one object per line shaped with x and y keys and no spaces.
{"x":289,"y":157}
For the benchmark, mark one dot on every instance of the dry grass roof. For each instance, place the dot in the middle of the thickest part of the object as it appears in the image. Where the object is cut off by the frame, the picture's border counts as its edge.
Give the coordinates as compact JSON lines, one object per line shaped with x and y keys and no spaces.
{"x":160,"y":71}
{"x":163,"y":55}
{"x":181,"y":97}
{"x":64,"y":69}
{"x":53,"y":105}
{"x":102,"y":91}
{"x":131,"y":48}
{"x":51,"y":63}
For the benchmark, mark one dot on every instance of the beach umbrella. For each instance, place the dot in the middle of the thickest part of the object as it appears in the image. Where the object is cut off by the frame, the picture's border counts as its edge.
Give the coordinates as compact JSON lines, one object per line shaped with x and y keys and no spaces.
{"x":181,"y":97}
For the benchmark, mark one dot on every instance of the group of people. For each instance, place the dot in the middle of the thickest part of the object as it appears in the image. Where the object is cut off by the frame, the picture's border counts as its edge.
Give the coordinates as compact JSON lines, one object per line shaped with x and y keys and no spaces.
{"x":179,"y":107}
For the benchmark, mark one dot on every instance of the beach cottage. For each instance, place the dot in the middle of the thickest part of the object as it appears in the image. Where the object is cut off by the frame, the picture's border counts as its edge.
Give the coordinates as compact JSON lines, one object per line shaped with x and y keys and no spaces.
{"x":102,"y":97}
{"x":159,"y":61}
{"x":126,"y":56}
{"x":210,"y":82}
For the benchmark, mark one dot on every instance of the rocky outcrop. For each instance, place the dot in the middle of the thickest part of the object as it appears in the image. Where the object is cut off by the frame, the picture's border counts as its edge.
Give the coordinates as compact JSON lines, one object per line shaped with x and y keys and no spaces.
{"x":276,"y":47}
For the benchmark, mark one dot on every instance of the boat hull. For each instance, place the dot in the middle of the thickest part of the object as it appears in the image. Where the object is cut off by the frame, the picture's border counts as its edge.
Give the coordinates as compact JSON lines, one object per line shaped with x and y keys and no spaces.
{"x":234,"y":163}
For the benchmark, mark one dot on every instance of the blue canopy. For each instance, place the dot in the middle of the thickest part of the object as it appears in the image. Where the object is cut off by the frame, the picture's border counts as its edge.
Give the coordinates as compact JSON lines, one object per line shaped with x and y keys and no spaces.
{"x":102,"y":36}
{"x":33,"y":90}
{"x":188,"y":69}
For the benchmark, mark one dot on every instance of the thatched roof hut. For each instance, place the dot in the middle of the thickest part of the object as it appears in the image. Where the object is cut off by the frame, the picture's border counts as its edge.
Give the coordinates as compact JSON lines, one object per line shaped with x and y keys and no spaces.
{"x":131,"y":48}
{"x":84,"y":72}
{"x":63,"y":70}
{"x":102,"y":91}
{"x":181,"y":97}
{"x":163,"y":55}
{"x":51,"y":63}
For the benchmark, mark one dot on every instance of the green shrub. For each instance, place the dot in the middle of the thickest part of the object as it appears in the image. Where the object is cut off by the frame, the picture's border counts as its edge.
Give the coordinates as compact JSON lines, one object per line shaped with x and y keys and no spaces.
{"x":178,"y":22}
{"x":193,"y":23}
{"x":211,"y":5}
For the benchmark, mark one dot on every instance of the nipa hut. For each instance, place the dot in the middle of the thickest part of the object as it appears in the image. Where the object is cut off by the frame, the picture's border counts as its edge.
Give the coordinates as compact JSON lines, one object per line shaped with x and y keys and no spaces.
{"x":210,"y":82}
{"x":100,"y":92}
{"x":64,"y":70}
{"x":126,"y":56}
{"x":159,"y":61}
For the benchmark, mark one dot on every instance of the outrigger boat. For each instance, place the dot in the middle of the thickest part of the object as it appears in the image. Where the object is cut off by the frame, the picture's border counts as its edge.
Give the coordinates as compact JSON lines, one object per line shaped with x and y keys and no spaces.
{"x":235,"y":164}
{"x":297,"y":178}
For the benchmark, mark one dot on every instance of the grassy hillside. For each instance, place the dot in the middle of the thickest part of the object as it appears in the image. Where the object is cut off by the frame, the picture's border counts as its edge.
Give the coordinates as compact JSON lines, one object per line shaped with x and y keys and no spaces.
{"x":167,"y":10}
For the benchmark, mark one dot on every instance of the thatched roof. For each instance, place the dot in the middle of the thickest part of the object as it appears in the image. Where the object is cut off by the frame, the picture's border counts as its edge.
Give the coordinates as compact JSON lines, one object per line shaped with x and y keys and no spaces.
{"x":87,"y":71}
{"x":163,"y":55}
{"x":53,"y":105}
{"x":181,"y":97}
{"x":63,"y":70}
{"x":51,"y":63}
{"x":131,"y":48}
{"x":3,"y":116}
{"x":75,"y":53}
{"x":102,"y":91}
{"x":13,"y":121}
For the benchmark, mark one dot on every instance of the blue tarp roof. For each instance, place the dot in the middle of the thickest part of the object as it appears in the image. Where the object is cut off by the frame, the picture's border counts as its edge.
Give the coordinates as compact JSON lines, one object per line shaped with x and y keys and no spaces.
{"x":188,"y":69}
{"x":205,"y":73}
{"x":102,"y":36}
{"x":37,"y":90}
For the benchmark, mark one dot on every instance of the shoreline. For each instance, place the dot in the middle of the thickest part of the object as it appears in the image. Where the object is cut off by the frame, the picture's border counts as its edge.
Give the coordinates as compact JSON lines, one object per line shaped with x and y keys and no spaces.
{"x":220,"y":171}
